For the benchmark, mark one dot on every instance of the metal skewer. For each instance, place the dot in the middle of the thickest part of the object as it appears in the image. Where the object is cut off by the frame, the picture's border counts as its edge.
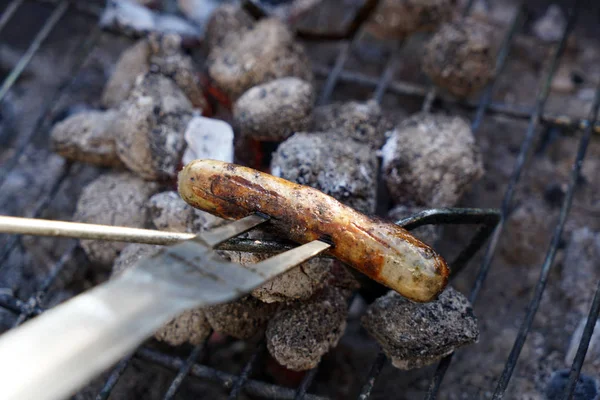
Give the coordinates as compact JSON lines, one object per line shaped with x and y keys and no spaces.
{"x":62,"y":349}
{"x":79,"y":230}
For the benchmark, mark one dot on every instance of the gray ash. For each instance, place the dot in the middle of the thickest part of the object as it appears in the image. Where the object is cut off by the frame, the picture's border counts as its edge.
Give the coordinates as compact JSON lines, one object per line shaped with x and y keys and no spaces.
{"x":169,"y":212}
{"x":431,"y":160}
{"x":242,"y":319}
{"x":362,"y":122}
{"x":150,"y":127}
{"x":265,"y":53}
{"x":275,"y":110}
{"x":87,"y":137}
{"x":300,"y":334}
{"x":414,"y":335}
{"x":113,"y":199}
{"x":341,"y":168}
{"x":132,"y":63}
{"x":168,"y":59}
{"x":460,"y":57}
{"x":227,"y":19}
{"x":300,"y":283}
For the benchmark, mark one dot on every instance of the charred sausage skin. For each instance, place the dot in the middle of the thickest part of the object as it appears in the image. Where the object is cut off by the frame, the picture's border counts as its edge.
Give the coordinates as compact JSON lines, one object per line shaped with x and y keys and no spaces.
{"x":381,"y":250}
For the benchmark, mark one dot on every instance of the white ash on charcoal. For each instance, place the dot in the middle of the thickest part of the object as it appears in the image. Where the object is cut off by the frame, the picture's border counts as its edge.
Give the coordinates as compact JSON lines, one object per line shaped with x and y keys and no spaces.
{"x":169,"y":212}
{"x":241,"y":319}
{"x":275,"y":110}
{"x":431,"y":160}
{"x":429,"y":234}
{"x":461,"y":57}
{"x":303,"y":332}
{"x":298,"y":284}
{"x":198,"y":11}
{"x":132,"y":18}
{"x":288,"y":10}
{"x":341,"y":168}
{"x":414,"y":335}
{"x":208,"y":138}
{"x":189,"y":327}
{"x":150,"y":127}
{"x":396,"y":19}
{"x":580,"y":273}
{"x":132,"y":63}
{"x":168,"y":58}
{"x":159,"y":53}
{"x":362,"y":122}
{"x":128,"y":16}
{"x":266,"y":52}
{"x":117,"y":199}
{"x":550,"y":26}
{"x":87,"y":137}
{"x":227,"y":19}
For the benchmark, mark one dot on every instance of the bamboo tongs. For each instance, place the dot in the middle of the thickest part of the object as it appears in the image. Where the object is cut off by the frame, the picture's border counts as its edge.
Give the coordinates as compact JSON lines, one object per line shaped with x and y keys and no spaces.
{"x":61,"y":350}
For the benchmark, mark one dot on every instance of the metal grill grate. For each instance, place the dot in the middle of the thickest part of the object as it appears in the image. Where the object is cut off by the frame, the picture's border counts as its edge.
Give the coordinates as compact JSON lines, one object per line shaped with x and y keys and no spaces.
{"x":189,"y":366}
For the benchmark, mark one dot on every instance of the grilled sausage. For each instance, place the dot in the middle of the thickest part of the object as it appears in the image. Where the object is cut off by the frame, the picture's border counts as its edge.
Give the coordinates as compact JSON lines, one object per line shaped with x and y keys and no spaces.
{"x":381,"y":250}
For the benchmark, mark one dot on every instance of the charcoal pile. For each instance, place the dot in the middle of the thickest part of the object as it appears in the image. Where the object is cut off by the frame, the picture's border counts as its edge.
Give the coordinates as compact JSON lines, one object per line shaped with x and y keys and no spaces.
{"x":160,"y":108}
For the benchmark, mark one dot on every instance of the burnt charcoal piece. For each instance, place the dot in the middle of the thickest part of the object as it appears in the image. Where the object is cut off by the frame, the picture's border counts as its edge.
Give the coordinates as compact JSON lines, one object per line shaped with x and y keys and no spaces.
{"x":362,"y":122}
{"x":242,"y":319}
{"x":264,"y":53}
{"x":431,"y":160}
{"x":299,"y":335}
{"x":132,"y":63}
{"x":228,"y":19}
{"x":585,"y":389}
{"x":170,"y":213}
{"x":113,"y":199}
{"x":274,"y":110}
{"x":159,"y":53}
{"x":150,"y":127}
{"x":460,"y":57}
{"x":341,"y":168}
{"x":414,"y":335}
{"x":191,"y":326}
{"x":396,"y":19}
{"x":87,"y":137}
{"x":167,"y":58}
{"x":429,"y":234}
{"x":298,"y":284}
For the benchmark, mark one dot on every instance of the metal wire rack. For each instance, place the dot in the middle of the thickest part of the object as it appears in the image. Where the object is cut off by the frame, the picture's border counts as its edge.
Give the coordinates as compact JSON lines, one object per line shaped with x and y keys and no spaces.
{"x":492,"y":222}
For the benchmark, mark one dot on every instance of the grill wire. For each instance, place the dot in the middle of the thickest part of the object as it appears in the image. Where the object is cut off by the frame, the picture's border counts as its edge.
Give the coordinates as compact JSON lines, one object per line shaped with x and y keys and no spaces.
{"x":492,"y":223}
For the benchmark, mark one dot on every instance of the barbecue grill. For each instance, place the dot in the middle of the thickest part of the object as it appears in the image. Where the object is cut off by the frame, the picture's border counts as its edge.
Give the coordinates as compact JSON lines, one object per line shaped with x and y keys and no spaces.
{"x":492,"y":223}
